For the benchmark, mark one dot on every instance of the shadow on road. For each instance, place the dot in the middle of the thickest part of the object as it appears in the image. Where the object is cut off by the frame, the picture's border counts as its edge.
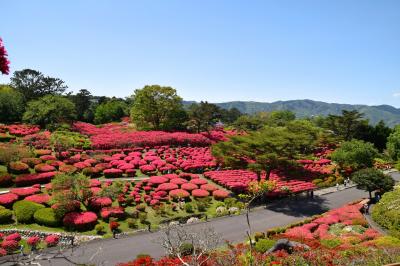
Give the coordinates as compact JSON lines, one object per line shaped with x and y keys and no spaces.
{"x":299,"y":206}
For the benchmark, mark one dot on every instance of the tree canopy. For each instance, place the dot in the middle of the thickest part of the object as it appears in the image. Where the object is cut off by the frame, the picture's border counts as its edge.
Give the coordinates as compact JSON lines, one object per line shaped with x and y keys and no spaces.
{"x":49,"y":111}
{"x":355,"y":154}
{"x":203,"y":115}
{"x":109,"y":111}
{"x":33,"y":84}
{"x":82,"y":101}
{"x":393,"y":144}
{"x":370,"y":179}
{"x":11,"y":105}
{"x":155,"y":106}
{"x":264,"y":150}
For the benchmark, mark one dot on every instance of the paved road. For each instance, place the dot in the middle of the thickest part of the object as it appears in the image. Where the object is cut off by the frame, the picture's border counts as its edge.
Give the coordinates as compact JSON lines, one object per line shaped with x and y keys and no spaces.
{"x":277,"y":213}
{"x":232,"y":228}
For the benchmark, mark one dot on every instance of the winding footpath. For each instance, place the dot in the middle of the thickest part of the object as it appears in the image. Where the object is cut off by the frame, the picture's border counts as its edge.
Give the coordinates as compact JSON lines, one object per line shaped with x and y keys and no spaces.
{"x":231,"y":228}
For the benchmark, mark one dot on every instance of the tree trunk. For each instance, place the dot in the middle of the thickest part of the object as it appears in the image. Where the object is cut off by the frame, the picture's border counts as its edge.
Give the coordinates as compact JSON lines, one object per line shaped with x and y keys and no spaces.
{"x":267,"y":173}
{"x":370,"y":194}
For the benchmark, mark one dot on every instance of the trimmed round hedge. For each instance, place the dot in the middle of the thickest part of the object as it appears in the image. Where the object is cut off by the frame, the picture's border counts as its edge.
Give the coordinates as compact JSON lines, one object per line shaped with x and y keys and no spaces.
{"x":24,"y":210}
{"x":46,"y":217}
{"x":5,"y":215}
{"x":80,"y":220}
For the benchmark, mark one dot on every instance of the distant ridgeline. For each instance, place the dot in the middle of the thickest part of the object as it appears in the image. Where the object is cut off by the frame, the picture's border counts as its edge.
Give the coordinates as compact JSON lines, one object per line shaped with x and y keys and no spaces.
{"x":307,"y":108}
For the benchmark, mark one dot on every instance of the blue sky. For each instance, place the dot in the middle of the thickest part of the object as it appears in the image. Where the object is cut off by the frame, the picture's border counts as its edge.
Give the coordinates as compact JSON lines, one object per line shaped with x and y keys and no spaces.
{"x":335,"y":51}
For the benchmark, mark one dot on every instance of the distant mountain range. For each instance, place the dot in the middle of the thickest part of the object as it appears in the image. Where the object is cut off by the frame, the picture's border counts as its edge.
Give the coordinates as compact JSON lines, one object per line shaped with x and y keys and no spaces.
{"x":307,"y":108}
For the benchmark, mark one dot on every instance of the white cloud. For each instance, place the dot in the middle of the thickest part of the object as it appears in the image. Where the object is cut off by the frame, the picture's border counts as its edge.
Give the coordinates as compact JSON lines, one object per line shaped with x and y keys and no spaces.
{"x":396,"y":94}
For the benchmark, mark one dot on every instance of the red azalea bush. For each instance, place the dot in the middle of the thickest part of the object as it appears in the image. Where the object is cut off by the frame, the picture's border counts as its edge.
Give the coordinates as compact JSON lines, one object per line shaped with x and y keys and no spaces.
{"x":179,"y":181}
{"x":112,"y":173}
{"x":97,"y":203}
{"x":167,"y":186}
{"x":220,"y":194}
{"x":31,"y":179}
{"x":14,"y":236}
{"x":22,"y":130}
{"x":6,"y":180}
{"x":10,"y":245}
{"x":52,"y":240}
{"x":116,"y":212}
{"x":200,"y":193}
{"x":4,"y":63}
{"x":33,"y":241}
{"x":24,"y":192}
{"x":113,"y":225}
{"x":41,"y":168}
{"x":198,"y":181}
{"x":39,"y":198}
{"x":80,"y":220}
{"x":31,"y":161}
{"x":208,"y":187}
{"x":156,"y":180}
{"x":18,"y":168}
{"x":66,"y":168}
{"x":179,"y":193}
{"x":189,"y":186}
{"x":8,"y":199}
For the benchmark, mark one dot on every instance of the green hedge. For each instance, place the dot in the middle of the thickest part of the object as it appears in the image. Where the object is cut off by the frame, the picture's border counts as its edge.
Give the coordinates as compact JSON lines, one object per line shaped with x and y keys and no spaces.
{"x":387,"y":212}
{"x":24,"y":211}
{"x":263,"y":245}
{"x":46,"y":217}
{"x":5,"y":215}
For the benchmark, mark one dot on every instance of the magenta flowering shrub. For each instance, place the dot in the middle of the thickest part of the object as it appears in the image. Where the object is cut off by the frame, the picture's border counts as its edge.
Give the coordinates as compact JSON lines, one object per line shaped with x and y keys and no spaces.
{"x":200,"y":193}
{"x":4,"y":63}
{"x":116,"y":212}
{"x":112,"y":173}
{"x":179,"y":193}
{"x":22,"y":130}
{"x":8,"y":199}
{"x":39,"y":198}
{"x":33,"y":241}
{"x":96,"y":203}
{"x":10,"y":245}
{"x":31,"y":179}
{"x":80,"y":220}
{"x":14,"y":236}
{"x":24,"y":192}
{"x":52,"y":240}
{"x":220,"y":194}
{"x":189,"y":186}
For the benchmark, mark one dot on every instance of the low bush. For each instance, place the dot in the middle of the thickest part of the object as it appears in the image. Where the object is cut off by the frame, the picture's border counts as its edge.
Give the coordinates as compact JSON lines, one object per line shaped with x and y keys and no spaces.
{"x":8,"y":199}
{"x":18,"y":168}
{"x":80,"y":220}
{"x":264,"y":244}
{"x":24,"y":210}
{"x":331,"y":243}
{"x":10,"y":245}
{"x":5,"y":215}
{"x":52,"y":240}
{"x":387,"y":212}
{"x":33,"y":241}
{"x":132,"y":223}
{"x":186,"y":249}
{"x":189,"y":208}
{"x":100,"y":229}
{"x":46,"y":217}
{"x":5,"y":180}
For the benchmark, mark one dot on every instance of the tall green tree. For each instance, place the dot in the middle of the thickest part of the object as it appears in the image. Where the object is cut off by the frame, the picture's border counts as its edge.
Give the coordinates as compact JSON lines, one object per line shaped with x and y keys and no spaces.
{"x":229,"y":116}
{"x":345,"y":125}
{"x":11,"y":105}
{"x":280,"y":118}
{"x":393,"y":144}
{"x":154,"y":106}
{"x":203,"y":116}
{"x":356,"y":154}
{"x":251,"y":122}
{"x":371,"y":179}
{"x":33,"y":84}
{"x":264,"y":150}
{"x":378,"y":134}
{"x":50,"y":111}
{"x":83,"y":102}
{"x":110,"y":111}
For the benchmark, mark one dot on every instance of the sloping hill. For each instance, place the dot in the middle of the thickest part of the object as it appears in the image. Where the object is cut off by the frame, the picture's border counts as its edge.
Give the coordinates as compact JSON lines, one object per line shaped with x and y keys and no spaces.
{"x":307,"y":108}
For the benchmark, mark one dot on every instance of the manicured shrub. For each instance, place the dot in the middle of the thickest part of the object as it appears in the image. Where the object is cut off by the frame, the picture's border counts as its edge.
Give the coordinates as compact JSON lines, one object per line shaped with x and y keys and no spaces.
{"x":24,"y":210}
{"x":39,"y":198}
{"x":100,"y":229}
{"x":116,"y":212}
{"x":31,"y":179}
{"x":33,"y":241}
{"x":178,"y":181}
{"x":52,"y":240}
{"x":112,"y":173}
{"x":8,"y":199}
{"x":167,"y":186}
{"x":189,"y":208}
{"x":220,"y":194}
{"x":31,"y":161}
{"x":14,"y":236}
{"x":113,"y":225}
{"x":66,"y":168}
{"x":331,"y":243}
{"x":208,"y":187}
{"x":141,"y":207}
{"x":18,"y":168}
{"x":97,"y":203}
{"x":5,"y":180}
{"x":24,"y":192}
{"x":200,"y":193}
{"x":198,"y":181}
{"x":179,"y":193}
{"x":5,"y":216}
{"x":10,"y":245}
{"x":156,"y":180}
{"x":80,"y":220}
{"x":42,"y":168}
{"x":263,"y":245}
{"x":46,"y":217}
{"x":189,"y":186}
{"x":132,"y":223}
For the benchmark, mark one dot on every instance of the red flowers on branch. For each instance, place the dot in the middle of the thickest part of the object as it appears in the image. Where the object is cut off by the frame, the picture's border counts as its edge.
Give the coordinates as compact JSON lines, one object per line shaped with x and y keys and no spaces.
{"x":4,"y":63}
